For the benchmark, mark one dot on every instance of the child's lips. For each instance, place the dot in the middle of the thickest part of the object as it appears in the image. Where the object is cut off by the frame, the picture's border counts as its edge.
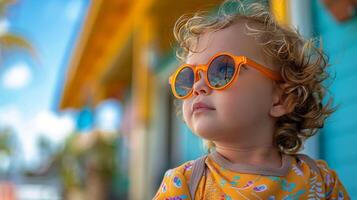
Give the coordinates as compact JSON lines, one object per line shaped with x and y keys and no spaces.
{"x":200,"y":106}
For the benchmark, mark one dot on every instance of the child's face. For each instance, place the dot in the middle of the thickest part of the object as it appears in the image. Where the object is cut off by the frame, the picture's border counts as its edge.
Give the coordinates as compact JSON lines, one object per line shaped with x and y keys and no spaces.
{"x":247,"y":106}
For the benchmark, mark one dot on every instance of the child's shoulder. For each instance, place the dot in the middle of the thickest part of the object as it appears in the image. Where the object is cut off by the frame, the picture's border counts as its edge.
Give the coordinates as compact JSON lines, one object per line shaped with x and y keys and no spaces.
{"x":323,"y":165}
{"x":328,"y":174}
{"x":321,"y":173}
{"x":175,"y":182}
{"x":184,"y":170}
{"x":317,"y":165}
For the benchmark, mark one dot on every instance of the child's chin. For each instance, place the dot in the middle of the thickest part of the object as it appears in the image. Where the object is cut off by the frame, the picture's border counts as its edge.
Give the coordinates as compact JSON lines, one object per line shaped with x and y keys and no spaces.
{"x":207,"y":133}
{"x":203,"y":123}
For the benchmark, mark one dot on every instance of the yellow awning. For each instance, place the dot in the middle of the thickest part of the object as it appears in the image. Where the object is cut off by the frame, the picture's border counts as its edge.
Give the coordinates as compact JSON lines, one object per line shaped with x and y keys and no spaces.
{"x":101,"y":66}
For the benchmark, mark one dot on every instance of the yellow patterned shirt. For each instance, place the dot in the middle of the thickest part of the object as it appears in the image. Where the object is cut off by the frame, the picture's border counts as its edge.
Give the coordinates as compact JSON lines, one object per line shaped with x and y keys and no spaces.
{"x":222,"y":180}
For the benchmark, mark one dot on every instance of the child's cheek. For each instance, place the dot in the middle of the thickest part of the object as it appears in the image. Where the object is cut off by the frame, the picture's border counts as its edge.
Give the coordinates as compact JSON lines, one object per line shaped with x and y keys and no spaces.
{"x":243,"y":105}
{"x":186,"y":111}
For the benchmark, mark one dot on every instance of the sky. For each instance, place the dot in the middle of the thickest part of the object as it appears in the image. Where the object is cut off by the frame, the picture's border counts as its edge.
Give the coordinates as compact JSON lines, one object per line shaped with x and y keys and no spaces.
{"x":30,"y":88}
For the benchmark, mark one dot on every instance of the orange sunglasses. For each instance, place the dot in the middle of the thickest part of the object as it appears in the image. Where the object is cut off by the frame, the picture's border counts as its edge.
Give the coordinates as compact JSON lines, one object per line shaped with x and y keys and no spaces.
{"x":220,"y":72}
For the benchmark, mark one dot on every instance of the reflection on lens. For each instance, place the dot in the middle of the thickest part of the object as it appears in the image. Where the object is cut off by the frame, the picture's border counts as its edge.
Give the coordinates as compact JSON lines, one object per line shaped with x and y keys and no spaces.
{"x":221,"y":71}
{"x":184,"y":81}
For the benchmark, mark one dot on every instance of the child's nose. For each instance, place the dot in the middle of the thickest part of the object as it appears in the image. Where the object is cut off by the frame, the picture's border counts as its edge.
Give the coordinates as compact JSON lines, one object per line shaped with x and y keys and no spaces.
{"x":200,"y":87}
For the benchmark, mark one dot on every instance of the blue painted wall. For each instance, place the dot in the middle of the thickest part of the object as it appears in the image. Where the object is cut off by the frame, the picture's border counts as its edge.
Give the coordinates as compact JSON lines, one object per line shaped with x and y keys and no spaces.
{"x":339,"y":136}
{"x":191,"y":145}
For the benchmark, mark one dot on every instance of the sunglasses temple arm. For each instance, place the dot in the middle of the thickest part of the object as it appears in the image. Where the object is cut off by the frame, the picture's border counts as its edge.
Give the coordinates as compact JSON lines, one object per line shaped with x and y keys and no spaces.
{"x":266,"y":71}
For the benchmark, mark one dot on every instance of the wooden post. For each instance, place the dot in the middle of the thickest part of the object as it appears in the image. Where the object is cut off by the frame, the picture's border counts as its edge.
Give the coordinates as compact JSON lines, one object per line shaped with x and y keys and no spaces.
{"x":139,"y":137}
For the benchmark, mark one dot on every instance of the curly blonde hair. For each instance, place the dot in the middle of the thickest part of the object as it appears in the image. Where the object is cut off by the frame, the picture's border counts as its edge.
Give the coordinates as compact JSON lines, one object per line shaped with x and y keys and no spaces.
{"x":302,"y":65}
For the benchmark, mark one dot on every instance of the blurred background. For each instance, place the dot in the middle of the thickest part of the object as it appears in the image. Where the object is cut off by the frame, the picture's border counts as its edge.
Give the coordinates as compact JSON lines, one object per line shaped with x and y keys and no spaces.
{"x":85,"y":106}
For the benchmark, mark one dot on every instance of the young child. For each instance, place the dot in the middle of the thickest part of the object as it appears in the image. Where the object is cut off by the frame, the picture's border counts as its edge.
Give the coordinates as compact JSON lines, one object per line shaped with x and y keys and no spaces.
{"x":253,"y":89}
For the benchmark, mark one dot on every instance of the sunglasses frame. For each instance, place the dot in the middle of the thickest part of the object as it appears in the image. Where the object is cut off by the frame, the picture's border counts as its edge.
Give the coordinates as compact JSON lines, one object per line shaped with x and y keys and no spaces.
{"x":238,"y":62}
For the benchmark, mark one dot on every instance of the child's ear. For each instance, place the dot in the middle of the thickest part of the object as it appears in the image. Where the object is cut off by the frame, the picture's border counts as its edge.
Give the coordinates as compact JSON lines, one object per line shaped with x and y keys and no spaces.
{"x":278,"y":107}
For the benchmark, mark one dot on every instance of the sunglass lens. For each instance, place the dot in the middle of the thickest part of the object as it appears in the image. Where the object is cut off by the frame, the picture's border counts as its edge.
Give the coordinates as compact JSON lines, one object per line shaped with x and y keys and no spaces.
{"x":221,"y":71}
{"x":184,"y":81}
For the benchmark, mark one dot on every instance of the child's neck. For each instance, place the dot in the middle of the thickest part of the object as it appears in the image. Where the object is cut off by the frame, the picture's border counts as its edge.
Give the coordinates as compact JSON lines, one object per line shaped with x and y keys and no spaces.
{"x":259,"y":155}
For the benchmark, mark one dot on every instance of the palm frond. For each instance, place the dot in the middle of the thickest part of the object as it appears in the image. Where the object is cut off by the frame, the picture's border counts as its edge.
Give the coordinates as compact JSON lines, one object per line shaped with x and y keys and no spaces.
{"x":4,"y":4}
{"x":10,"y":41}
